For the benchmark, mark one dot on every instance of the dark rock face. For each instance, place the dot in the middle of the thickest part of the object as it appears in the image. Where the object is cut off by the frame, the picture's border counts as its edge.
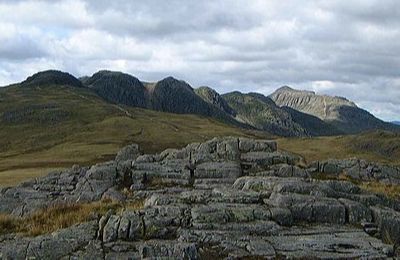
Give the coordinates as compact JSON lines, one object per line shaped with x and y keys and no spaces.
{"x":117,"y":87}
{"x":172,"y":95}
{"x":339,"y":112}
{"x":176,"y":96}
{"x":211,"y":96}
{"x":224,"y":198}
{"x":51,"y":77}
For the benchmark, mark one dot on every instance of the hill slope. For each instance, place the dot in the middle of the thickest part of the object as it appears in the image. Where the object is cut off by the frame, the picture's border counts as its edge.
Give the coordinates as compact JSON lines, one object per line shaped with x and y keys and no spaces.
{"x":56,"y":126}
{"x":313,"y":125}
{"x":262,"y":113}
{"x":337,"y":111}
{"x":376,"y":146}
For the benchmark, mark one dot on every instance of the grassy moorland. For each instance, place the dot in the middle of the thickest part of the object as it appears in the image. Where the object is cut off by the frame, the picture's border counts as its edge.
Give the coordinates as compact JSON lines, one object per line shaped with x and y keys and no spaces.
{"x":377,"y":146}
{"x":49,"y":128}
{"x":54,"y":127}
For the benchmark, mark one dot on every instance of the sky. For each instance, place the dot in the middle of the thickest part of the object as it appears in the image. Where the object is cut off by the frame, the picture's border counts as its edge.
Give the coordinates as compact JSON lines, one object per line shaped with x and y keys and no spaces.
{"x":344,"y":48}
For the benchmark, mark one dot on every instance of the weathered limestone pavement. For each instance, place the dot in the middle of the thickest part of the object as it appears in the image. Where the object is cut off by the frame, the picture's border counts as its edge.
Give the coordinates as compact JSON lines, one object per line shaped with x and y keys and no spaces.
{"x":225,"y":198}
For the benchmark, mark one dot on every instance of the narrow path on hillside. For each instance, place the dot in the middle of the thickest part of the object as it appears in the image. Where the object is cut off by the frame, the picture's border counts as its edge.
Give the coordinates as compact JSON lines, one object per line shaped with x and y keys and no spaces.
{"x":126,"y":112}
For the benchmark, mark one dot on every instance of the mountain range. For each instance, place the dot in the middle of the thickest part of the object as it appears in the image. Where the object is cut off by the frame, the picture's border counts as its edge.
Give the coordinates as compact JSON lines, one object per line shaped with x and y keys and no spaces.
{"x":286,"y":112}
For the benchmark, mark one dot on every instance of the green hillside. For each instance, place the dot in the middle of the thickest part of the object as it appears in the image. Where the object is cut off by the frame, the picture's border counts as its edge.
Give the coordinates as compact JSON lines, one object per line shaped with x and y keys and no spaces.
{"x":50,"y":127}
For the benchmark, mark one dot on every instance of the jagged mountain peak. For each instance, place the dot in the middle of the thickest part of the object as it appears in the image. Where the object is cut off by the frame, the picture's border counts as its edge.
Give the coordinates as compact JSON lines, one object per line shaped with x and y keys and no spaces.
{"x":212,"y":97}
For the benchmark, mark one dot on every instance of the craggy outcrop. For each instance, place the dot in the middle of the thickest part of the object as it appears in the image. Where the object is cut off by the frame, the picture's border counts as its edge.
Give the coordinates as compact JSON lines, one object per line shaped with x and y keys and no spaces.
{"x":224,"y":198}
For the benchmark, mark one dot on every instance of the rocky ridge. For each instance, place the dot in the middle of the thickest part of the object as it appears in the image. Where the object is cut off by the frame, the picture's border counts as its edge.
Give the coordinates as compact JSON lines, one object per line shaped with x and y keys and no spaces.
{"x":225,"y":198}
{"x":310,"y":114}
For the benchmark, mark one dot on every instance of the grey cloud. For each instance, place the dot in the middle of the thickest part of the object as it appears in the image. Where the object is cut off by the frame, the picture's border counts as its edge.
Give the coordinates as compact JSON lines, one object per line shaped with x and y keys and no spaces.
{"x":20,"y":48}
{"x":226,"y":44}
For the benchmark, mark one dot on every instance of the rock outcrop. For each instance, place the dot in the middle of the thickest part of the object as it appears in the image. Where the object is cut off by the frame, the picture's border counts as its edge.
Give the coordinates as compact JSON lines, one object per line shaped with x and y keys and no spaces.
{"x":226,"y":198}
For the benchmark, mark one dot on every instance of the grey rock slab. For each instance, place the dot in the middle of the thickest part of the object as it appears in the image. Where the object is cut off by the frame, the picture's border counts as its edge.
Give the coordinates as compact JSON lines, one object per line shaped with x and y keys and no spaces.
{"x":123,"y":229}
{"x":129,"y":152}
{"x":114,"y":195}
{"x":310,"y":208}
{"x":247,"y":145}
{"x":351,"y":244}
{"x":218,"y":170}
{"x":110,"y":231}
{"x":356,"y":212}
{"x":388,"y":222}
{"x":163,"y":249}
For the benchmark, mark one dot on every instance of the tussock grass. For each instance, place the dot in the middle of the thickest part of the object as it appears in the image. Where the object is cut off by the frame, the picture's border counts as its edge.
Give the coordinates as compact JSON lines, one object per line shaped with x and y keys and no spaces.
{"x":371,"y":146}
{"x":61,"y":216}
{"x":8,"y":224}
{"x":389,"y":190}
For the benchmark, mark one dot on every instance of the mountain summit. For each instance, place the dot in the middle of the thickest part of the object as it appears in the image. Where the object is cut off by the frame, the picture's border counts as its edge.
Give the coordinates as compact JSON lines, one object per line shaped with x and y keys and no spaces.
{"x":51,"y":77}
{"x":337,"y":111}
{"x":321,"y":106}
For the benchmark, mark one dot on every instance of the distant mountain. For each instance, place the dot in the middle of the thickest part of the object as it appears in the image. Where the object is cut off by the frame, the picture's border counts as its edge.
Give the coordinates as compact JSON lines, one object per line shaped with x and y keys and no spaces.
{"x":313,"y":125}
{"x":51,"y":77}
{"x":286,"y":112}
{"x":167,"y":95}
{"x":262,"y":113}
{"x":395,"y":122}
{"x":339,"y":112}
{"x":176,"y":96}
{"x":211,"y":96}
{"x":118,"y":87}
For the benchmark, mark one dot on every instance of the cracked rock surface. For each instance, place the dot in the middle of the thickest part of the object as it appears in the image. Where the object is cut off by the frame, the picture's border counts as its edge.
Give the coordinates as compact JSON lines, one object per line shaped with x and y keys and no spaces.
{"x":227,"y":198}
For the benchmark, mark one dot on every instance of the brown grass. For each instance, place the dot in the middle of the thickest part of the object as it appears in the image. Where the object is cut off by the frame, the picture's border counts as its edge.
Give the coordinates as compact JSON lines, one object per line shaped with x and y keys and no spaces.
{"x":57,"y":217}
{"x":345,"y":147}
{"x":388,"y":190}
{"x":13,"y":177}
{"x":392,"y":191}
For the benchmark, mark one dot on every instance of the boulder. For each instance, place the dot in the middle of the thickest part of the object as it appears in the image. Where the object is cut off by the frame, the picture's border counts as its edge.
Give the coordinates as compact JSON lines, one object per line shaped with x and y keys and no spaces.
{"x":130,"y":152}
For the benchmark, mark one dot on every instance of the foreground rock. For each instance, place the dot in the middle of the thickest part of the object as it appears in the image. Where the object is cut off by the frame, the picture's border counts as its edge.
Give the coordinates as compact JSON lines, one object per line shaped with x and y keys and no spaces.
{"x":225,"y":198}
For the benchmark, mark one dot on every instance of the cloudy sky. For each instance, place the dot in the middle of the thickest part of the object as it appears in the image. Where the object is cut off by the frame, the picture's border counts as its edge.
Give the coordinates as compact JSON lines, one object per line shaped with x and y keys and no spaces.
{"x":345,"y":48}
